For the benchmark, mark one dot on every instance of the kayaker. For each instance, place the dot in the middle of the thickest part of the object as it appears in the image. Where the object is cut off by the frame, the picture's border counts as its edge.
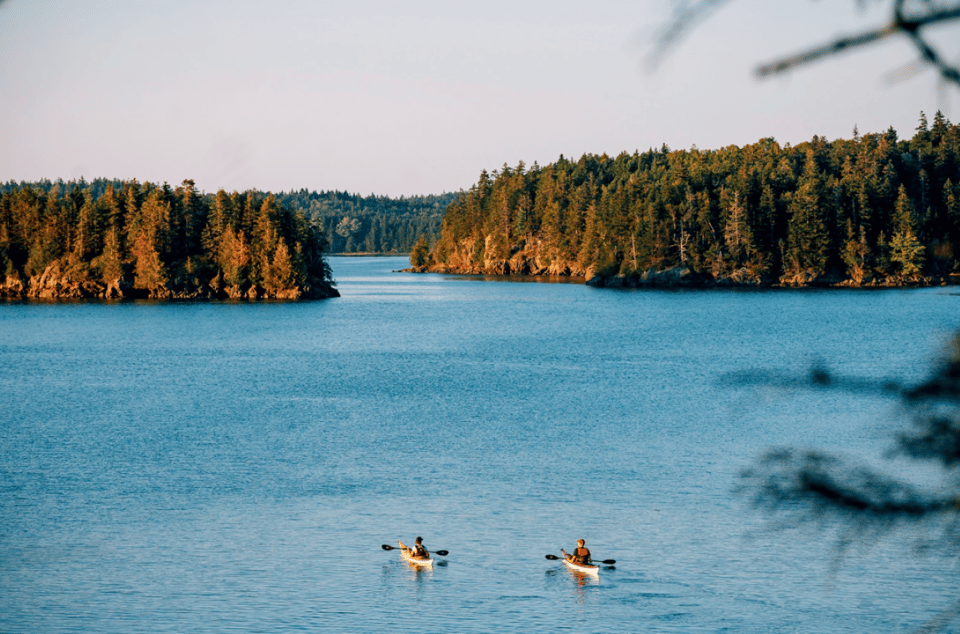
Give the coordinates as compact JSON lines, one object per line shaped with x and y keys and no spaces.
{"x":581,"y":554}
{"x":418,"y":551}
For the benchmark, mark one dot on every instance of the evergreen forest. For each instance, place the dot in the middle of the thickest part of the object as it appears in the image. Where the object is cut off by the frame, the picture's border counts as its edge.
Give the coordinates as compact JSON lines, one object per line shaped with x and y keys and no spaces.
{"x":870,"y":210}
{"x":112,"y":238}
{"x":371,"y":224}
{"x":122,"y":240}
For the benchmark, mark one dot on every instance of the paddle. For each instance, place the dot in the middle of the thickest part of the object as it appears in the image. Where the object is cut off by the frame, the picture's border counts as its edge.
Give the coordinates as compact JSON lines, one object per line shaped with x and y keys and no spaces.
{"x":442,"y":553}
{"x":605,"y":562}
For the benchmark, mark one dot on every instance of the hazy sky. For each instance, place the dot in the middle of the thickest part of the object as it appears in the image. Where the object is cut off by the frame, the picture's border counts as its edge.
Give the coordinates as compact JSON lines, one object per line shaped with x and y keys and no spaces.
{"x":405,"y":98}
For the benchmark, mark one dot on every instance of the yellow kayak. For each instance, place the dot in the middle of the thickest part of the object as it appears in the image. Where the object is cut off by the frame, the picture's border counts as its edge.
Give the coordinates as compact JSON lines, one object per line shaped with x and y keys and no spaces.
{"x":416,"y":561}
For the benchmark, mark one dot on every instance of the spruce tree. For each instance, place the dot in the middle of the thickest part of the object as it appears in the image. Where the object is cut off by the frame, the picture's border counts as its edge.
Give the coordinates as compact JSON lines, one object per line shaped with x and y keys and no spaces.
{"x":420,"y":256}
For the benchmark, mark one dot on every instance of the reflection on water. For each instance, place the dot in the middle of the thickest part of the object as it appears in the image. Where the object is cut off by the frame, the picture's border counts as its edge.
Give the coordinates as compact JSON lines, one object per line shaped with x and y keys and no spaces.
{"x":583,"y":579}
{"x":518,"y":279}
{"x":417,"y":573}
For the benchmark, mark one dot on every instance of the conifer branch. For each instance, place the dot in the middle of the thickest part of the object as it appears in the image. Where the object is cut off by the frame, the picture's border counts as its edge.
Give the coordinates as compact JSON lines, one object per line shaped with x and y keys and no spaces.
{"x":687,"y":15}
{"x":899,"y":25}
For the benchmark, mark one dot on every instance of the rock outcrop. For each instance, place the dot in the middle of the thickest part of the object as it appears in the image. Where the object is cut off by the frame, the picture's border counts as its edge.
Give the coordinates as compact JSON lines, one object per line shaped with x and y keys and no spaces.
{"x":56,"y":282}
{"x":680,"y":276}
{"x":534,"y":258}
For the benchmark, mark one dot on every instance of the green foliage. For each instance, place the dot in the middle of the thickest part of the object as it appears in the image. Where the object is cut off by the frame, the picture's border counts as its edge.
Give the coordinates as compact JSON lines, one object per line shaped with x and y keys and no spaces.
{"x":855,"y":253}
{"x":420,"y":255}
{"x":234,"y":258}
{"x":157,"y":239}
{"x":907,"y":252}
{"x":371,"y":224}
{"x":281,"y":272}
{"x":377,"y":224}
{"x":820,"y":210}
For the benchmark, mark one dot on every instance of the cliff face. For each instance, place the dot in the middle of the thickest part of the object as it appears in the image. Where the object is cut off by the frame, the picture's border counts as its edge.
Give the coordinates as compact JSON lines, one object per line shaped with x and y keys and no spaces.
{"x":531,"y":257}
{"x":58,"y":283}
{"x":535,"y":257}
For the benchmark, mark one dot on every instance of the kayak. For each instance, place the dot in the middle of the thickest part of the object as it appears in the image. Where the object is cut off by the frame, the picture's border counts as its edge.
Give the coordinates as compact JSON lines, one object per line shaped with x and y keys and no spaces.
{"x":416,"y":561}
{"x":587,"y":569}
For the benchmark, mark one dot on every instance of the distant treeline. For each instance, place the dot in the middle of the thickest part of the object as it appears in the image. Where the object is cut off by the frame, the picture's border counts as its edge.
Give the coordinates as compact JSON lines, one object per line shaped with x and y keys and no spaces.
{"x":126,"y":239}
{"x":371,"y":224}
{"x":871,"y":209}
{"x":351,"y":223}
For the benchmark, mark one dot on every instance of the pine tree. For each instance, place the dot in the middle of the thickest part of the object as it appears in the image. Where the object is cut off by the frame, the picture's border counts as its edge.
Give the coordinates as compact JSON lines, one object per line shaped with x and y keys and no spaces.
{"x":906,"y":251}
{"x":265,"y":237}
{"x":736,"y":234}
{"x":149,"y":272}
{"x":807,"y":237}
{"x":420,"y":256}
{"x":110,"y":262}
{"x":855,"y":252}
{"x":220,"y":215}
{"x":234,"y":258}
{"x":280,"y":274}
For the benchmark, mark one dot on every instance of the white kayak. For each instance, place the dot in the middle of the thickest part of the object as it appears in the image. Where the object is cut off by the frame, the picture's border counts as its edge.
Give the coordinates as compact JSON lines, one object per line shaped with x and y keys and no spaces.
{"x":587,"y":569}
{"x":416,"y":561}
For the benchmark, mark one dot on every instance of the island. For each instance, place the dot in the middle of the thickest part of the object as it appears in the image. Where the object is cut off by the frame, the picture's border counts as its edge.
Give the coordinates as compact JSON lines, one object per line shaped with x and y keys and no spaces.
{"x":158,"y":242}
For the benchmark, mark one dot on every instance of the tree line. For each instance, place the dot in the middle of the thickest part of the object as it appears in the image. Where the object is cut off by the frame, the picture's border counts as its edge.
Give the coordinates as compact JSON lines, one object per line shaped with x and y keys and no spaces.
{"x":371,"y":224}
{"x":873,"y":209}
{"x":127,"y":239}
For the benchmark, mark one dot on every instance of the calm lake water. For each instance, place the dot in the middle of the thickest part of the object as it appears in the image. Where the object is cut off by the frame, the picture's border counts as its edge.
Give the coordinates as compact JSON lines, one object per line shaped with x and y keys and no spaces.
{"x":203,"y":467}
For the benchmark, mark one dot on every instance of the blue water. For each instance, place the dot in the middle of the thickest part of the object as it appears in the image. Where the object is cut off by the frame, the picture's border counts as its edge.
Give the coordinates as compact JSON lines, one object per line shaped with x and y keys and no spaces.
{"x":236,"y":467}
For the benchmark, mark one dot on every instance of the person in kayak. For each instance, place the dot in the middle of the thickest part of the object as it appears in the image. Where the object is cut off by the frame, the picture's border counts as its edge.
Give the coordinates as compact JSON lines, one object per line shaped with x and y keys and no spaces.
{"x":581,"y":554}
{"x":418,"y":551}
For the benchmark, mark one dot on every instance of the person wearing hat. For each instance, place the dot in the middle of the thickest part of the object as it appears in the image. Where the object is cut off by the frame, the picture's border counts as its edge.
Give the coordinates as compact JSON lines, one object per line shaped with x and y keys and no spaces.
{"x":581,"y":554}
{"x":418,"y":551}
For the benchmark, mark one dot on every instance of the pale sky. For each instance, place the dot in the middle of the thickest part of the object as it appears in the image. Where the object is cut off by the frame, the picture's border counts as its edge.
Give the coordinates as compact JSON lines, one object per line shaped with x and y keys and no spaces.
{"x":409,"y":98}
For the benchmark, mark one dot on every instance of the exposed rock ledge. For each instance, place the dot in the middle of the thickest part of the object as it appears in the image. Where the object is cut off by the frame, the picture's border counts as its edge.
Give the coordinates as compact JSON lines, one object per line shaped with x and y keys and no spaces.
{"x":54,"y":284}
{"x":684,"y":277}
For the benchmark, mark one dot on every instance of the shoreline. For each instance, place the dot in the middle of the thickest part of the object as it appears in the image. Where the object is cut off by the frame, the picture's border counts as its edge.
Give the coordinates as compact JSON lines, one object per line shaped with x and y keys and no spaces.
{"x":683,"y":278}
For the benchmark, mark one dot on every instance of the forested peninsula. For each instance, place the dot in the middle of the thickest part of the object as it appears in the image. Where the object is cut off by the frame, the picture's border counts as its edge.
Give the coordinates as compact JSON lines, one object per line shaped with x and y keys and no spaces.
{"x":873,"y":210}
{"x":135,"y":240}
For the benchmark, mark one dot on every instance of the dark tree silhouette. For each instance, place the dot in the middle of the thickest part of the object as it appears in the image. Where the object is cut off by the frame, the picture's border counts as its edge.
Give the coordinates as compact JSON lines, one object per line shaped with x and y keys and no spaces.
{"x":814,"y":486}
{"x":908,"y":19}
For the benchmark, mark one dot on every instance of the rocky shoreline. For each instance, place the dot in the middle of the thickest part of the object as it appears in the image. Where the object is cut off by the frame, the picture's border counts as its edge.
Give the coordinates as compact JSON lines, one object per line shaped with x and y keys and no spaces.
{"x":684,"y":277}
{"x":56,"y":284}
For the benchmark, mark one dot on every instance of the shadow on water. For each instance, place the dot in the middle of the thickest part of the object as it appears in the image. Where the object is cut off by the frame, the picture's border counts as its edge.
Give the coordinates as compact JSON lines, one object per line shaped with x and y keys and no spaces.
{"x":518,"y":279}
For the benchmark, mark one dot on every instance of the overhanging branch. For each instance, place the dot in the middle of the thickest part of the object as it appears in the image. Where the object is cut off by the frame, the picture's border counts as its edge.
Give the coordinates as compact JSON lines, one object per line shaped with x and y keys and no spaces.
{"x":899,"y":25}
